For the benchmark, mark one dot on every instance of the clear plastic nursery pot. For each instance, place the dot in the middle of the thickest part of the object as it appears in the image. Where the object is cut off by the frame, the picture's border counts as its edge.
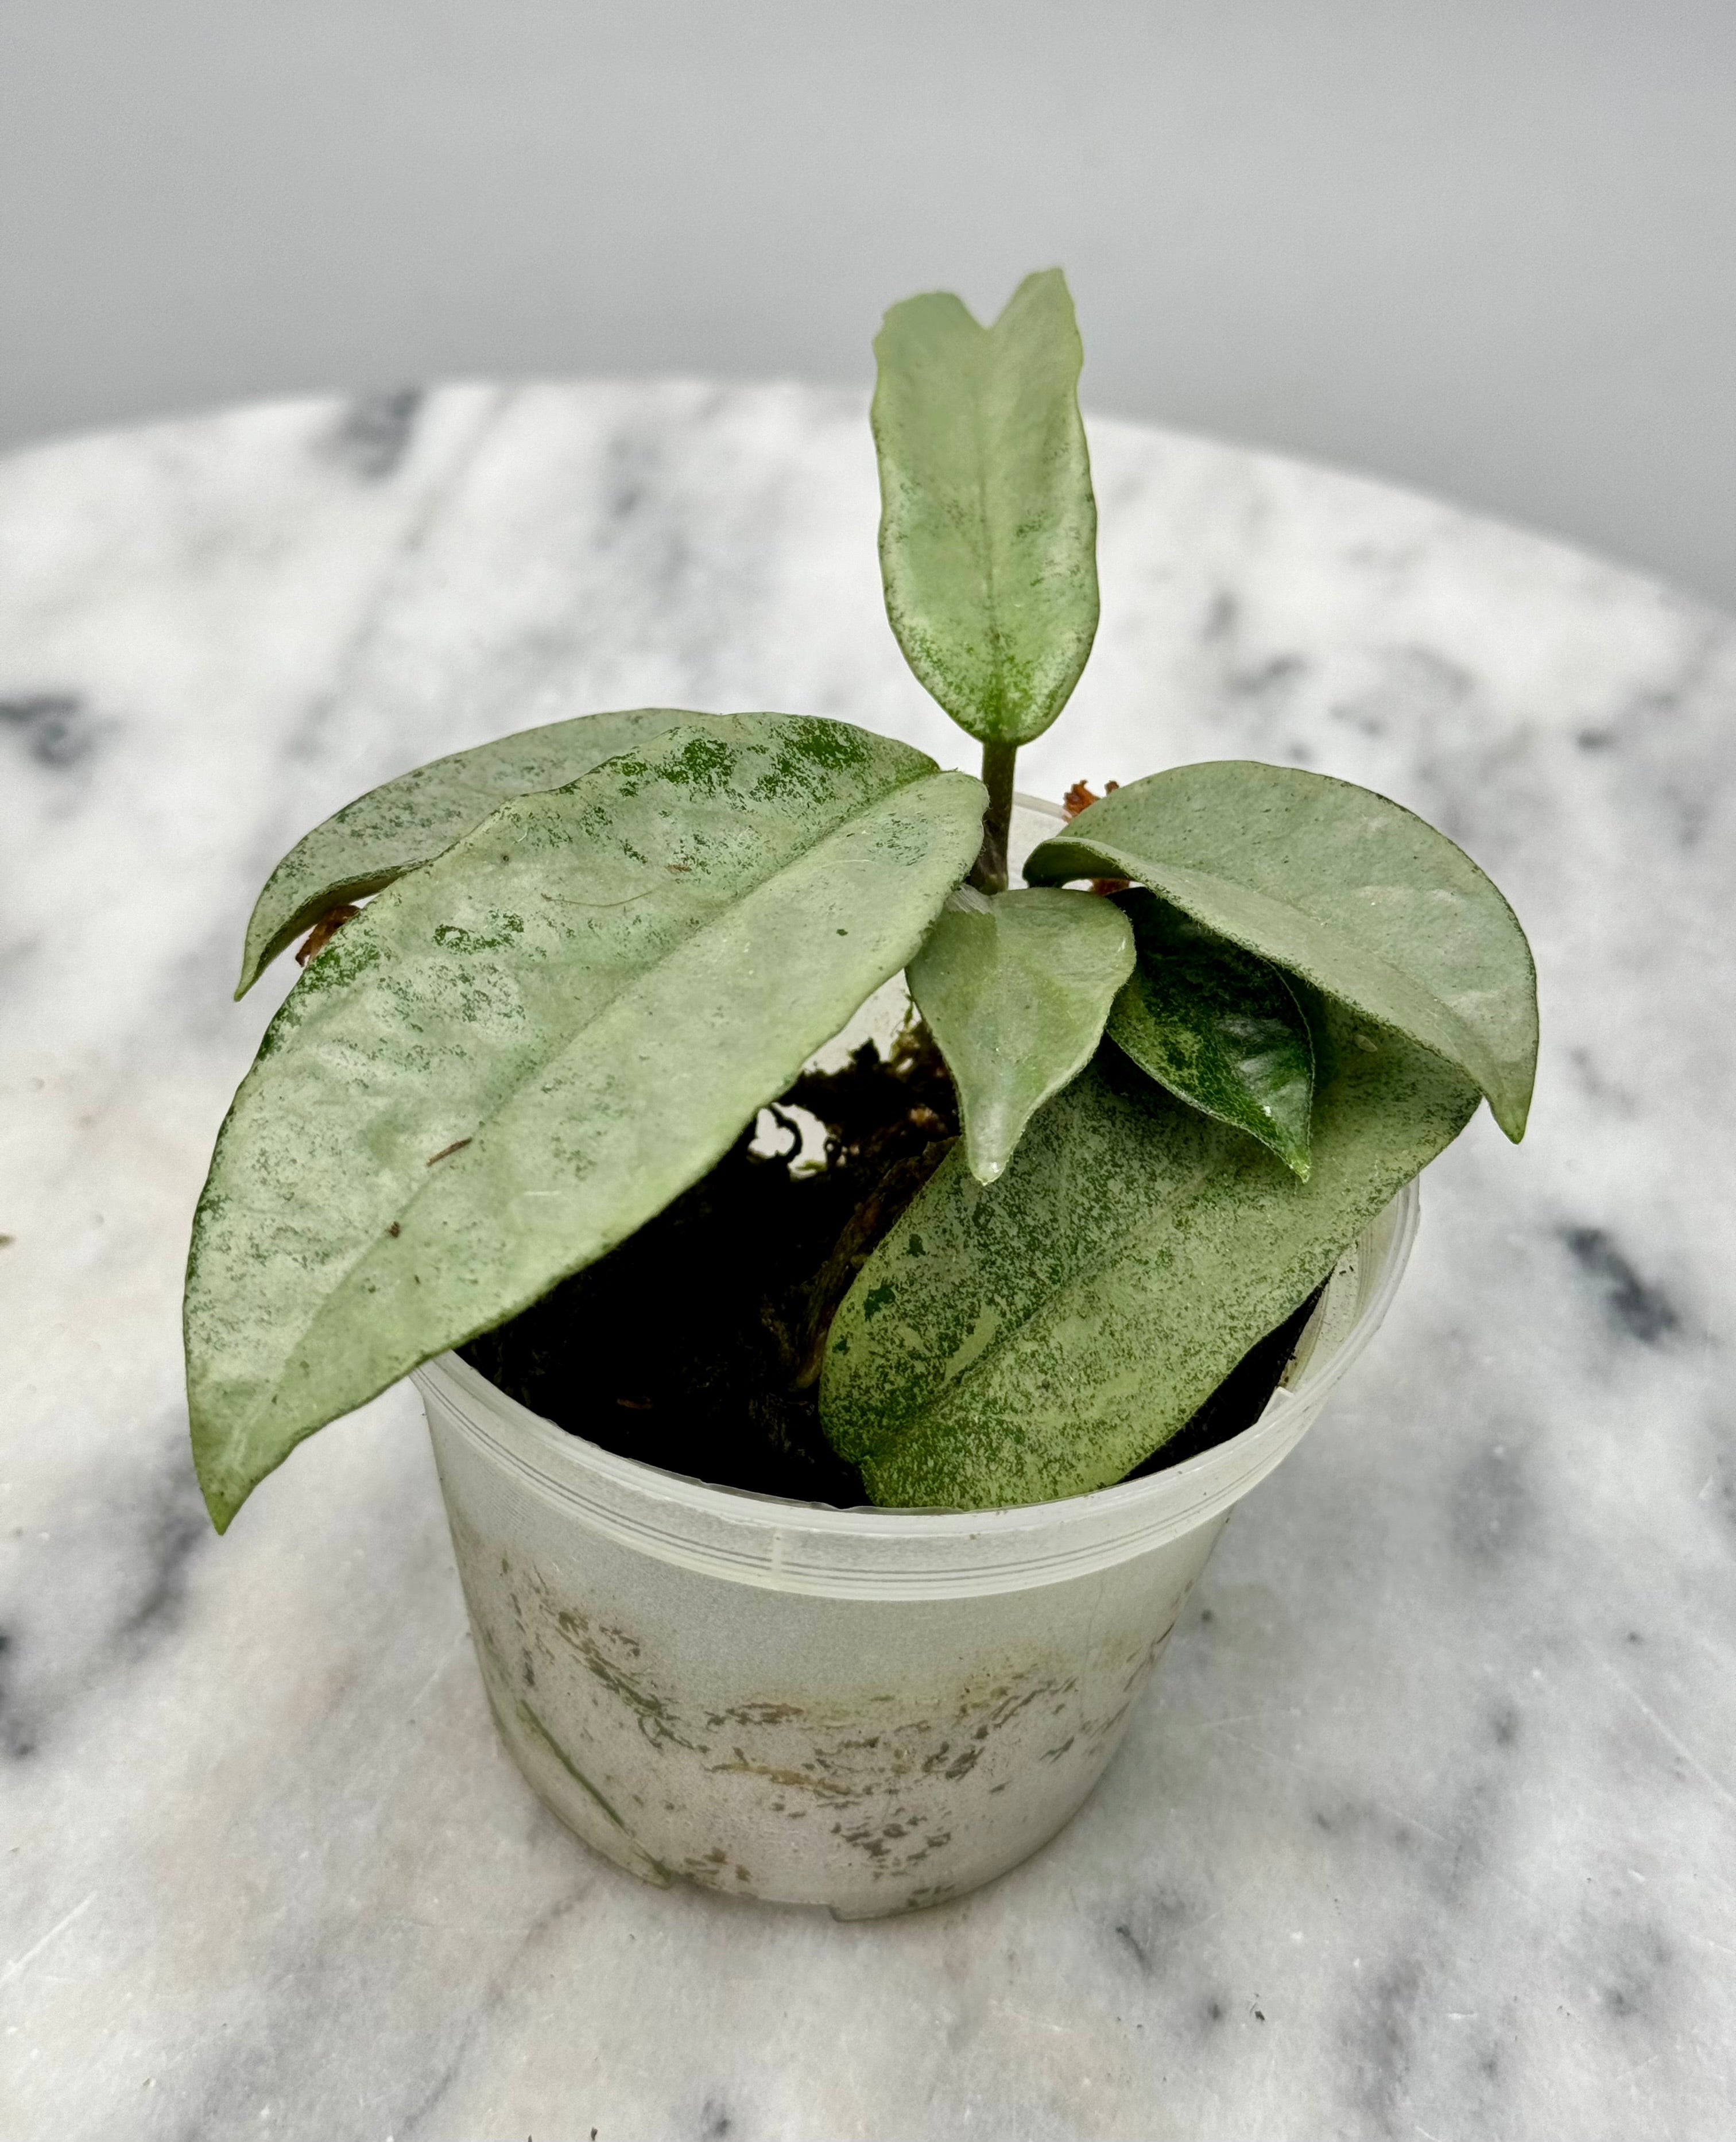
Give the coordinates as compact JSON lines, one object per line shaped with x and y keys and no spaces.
{"x":870,"y":1710}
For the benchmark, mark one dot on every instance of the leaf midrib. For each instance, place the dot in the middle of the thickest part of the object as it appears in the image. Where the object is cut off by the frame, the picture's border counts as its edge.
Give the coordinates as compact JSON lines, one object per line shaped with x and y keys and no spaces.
{"x":991,"y":599}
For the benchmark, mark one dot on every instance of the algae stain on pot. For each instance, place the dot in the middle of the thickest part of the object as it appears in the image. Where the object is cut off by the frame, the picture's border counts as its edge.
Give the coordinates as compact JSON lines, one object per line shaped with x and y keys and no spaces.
{"x":524,"y":1731}
{"x":529,"y":1717}
{"x":611,"y":1656}
{"x":887,"y":1786}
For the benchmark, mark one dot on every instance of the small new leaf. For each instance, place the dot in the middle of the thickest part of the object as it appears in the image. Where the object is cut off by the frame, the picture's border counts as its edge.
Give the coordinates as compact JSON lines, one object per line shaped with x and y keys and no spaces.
{"x":988,"y":539}
{"x":521,"y":1051}
{"x":1038,"y":1339}
{"x":1015,"y":990}
{"x":1217,"y":1027}
{"x":363,"y":847}
{"x":1340,"y":886}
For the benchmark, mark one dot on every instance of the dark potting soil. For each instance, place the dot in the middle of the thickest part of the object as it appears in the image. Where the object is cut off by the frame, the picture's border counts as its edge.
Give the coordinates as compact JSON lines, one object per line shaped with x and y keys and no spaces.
{"x":697,"y":1345}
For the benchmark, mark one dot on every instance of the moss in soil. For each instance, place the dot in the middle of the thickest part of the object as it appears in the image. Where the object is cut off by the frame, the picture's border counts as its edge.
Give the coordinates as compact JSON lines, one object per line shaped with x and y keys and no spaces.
{"x":697,"y":1345}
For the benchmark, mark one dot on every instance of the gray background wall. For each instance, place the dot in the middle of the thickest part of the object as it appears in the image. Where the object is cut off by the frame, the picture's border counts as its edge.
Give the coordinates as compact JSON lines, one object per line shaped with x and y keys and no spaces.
{"x":1488,"y":247}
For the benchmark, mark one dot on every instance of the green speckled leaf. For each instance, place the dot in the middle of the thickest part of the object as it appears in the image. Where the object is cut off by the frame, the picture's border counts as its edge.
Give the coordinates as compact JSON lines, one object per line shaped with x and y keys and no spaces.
{"x":1038,"y":1338}
{"x":1015,"y":990}
{"x":1332,"y":882}
{"x":1219,"y":1028}
{"x":988,"y":537}
{"x":392,"y":828}
{"x":520,"y":1052}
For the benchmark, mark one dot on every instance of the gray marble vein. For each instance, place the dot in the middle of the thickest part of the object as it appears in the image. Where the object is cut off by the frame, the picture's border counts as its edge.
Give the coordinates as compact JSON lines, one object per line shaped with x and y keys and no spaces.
{"x":1428,"y":1827}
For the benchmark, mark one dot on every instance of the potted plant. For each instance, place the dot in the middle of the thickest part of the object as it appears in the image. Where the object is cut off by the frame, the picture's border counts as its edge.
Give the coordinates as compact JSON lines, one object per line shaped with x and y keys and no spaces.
{"x":830,"y":1441}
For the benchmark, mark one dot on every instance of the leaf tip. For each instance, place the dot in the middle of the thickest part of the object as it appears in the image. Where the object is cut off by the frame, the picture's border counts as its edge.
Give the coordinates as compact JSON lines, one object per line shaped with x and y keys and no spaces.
{"x":1511,"y":1120}
{"x":219,"y":1486}
{"x":221,"y":1504}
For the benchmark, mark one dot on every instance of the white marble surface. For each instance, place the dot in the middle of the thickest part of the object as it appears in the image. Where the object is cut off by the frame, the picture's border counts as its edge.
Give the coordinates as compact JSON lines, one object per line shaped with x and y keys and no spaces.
{"x":1429,"y":1826}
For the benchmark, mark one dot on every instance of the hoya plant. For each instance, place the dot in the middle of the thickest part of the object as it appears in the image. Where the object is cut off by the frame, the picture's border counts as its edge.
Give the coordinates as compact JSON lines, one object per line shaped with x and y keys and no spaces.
{"x":1232,"y":1010}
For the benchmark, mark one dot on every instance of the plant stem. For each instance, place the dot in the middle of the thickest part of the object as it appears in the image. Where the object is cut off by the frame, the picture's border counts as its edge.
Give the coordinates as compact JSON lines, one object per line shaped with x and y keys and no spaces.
{"x":989,"y":872}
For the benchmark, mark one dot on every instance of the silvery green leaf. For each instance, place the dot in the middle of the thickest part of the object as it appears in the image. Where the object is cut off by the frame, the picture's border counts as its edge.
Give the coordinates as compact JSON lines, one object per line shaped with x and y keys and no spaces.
{"x":1039,"y":1337}
{"x":1219,"y":1028}
{"x":988,"y":538}
{"x":407,"y":821}
{"x":521,"y":1051}
{"x":1351,"y":891}
{"x":1015,"y":990}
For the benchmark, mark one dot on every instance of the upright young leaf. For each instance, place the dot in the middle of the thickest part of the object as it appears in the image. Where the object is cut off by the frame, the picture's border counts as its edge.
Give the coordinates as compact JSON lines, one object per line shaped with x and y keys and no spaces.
{"x":405,"y":822}
{"x":1217,"y":1027}
{"x":988,"y":537}
{"x":1332,"y":882}
{"x":1038,"y":1338}
{"x":521,"y":1051}
{"x":1015,"y":990}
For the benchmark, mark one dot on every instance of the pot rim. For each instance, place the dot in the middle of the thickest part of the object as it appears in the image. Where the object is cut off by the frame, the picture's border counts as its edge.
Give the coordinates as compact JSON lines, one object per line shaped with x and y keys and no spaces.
{"x":866,"y":1552}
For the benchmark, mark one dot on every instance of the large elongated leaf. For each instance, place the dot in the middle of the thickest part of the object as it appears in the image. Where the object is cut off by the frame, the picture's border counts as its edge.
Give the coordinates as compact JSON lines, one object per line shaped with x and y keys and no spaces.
{"x":520,"y":1052}
{"x":988,"y":538}
{"x":392,"y":828}
{"x":1340,"y":886}
{"x":1016,"y":990}
{"x":1219,"y":1028}
{"x":1038,"y":1338}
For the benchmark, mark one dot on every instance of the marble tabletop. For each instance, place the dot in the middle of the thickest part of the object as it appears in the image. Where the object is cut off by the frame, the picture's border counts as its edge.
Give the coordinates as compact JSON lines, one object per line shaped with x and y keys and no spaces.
{"x":1428,"y":1826}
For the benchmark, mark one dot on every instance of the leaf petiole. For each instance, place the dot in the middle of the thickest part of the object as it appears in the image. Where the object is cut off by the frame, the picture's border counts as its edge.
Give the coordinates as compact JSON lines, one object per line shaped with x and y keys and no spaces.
{"x":989,"y":874}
